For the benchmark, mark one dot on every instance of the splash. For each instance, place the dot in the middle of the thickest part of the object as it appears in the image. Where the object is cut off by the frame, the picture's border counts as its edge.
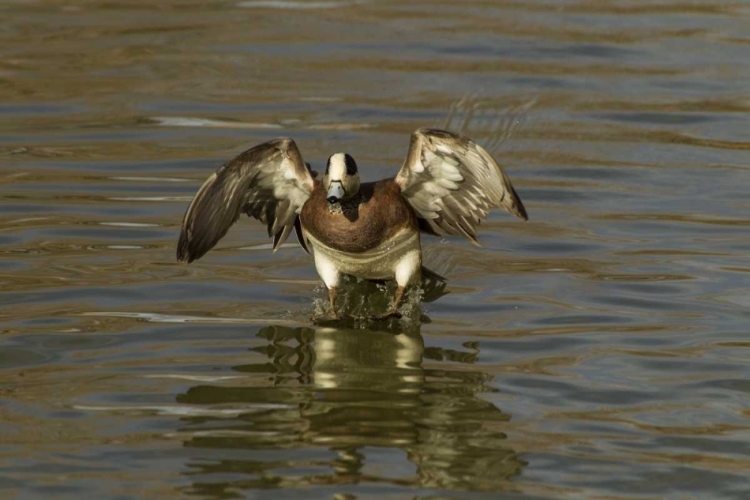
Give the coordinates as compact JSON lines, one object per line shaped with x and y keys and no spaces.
{"x":485,"y":121}
{"x":361,"y":301}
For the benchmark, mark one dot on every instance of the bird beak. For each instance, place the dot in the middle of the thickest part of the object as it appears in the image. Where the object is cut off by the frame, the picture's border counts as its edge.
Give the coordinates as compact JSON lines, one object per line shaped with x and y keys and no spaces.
{"x":335,"y":192}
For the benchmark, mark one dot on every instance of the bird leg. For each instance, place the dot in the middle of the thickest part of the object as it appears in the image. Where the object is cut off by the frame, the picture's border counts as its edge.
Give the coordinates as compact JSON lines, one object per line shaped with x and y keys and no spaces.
{"x":397,"y":301}
{"x":332,"y":293}
{"x":397,"y":298}
{"x":332,"y":314}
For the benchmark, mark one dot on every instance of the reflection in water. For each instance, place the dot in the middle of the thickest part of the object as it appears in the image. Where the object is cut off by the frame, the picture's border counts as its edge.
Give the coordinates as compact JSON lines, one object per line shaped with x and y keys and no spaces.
{"x":619,"y":314}
{"x":351,"y":392}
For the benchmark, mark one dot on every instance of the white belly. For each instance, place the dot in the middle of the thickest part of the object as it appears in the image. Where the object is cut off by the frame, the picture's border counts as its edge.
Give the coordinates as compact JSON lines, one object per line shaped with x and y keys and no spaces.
{"x":399,"y":258}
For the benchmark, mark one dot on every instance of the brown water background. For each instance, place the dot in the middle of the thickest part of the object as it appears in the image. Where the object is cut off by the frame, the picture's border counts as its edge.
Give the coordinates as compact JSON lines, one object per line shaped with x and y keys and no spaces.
{"x":600,"y":350}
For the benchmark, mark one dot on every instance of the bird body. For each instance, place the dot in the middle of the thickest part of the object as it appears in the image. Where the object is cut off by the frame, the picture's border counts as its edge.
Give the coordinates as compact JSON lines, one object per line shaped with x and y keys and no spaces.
{"x":446,"y":185}
{"x":375,"y":237}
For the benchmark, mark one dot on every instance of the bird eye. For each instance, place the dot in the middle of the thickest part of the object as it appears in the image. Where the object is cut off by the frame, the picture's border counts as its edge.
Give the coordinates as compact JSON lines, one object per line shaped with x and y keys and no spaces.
{"x":351,"y":166}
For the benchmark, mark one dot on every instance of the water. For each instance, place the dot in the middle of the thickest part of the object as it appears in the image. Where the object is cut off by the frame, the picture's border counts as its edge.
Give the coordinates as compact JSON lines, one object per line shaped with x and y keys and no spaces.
{"x":599,"y":350}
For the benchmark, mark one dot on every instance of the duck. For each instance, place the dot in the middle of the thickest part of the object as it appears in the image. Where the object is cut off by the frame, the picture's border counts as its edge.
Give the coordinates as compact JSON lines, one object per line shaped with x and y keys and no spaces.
{"x":446,"y":186}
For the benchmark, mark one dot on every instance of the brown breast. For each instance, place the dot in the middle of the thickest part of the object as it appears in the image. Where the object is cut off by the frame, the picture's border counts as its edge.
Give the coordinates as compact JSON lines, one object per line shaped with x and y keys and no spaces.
{"x":382,"y":213}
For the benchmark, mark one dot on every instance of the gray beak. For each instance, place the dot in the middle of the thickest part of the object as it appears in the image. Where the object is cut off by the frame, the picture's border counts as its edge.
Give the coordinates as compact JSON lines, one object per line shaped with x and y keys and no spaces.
{"x":335,"y":192}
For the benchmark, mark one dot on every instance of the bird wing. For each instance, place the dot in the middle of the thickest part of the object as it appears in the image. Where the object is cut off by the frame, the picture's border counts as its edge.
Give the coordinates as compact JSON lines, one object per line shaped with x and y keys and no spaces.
{"x":452,"y":182}
{"x":271,"y":182}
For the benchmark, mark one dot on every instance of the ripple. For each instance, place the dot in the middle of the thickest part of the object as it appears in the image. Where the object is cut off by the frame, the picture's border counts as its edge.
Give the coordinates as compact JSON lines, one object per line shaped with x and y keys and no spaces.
{"x":289,"y":4}
{"x":170,"y":318}
{"x":181,"y":410}
{"x":598,"y":351}
{"x":177,"y":121}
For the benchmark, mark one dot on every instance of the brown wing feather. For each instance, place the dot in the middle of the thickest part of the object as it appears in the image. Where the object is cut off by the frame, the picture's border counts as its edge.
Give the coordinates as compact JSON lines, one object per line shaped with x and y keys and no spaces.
{"x":452,"y":183}
{"x":269,"y":182}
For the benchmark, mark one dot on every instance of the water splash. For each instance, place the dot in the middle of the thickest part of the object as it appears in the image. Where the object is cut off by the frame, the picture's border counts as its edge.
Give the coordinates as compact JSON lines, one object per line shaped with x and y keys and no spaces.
{"x":485,"y":122}
{"x":360,"y":302}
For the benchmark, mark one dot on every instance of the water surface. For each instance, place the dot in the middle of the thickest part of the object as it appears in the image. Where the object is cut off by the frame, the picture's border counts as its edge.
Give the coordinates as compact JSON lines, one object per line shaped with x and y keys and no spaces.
{"x":599,"y":350}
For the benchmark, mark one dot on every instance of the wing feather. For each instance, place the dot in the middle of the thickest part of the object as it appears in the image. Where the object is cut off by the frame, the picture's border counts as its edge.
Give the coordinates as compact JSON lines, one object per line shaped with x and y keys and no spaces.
{"x":452,"y":183}
{"x":269,"y":182}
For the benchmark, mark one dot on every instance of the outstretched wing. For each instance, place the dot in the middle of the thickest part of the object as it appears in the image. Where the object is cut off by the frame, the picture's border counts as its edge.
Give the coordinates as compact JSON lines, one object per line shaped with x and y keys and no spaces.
{"x":452,"y":182}
{"x":269,"y":182}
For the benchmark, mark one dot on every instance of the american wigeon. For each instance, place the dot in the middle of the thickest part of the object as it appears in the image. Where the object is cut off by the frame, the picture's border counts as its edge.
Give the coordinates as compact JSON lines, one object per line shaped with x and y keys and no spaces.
{"x":446,"y":185}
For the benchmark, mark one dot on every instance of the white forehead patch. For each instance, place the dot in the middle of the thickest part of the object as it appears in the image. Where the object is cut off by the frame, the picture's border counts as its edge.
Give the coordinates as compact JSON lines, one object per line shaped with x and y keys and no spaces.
{"x":337,"y":169}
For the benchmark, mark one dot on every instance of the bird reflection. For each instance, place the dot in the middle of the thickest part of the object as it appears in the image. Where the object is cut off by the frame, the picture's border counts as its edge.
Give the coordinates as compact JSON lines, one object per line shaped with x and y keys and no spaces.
{"x":361,"y":395}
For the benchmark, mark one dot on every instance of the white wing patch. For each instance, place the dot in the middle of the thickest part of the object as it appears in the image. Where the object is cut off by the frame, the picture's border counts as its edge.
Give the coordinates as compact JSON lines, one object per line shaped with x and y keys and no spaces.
{"x":444,"y":177}
{"x":287,"y":170}
{"x":289,"y":188}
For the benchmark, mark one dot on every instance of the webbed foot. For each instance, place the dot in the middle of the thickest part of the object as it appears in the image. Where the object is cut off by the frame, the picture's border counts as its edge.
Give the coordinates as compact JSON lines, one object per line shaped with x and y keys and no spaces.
{"x":330,"y":315}
{"x":325,"y":317}
{"x":393,"y":313}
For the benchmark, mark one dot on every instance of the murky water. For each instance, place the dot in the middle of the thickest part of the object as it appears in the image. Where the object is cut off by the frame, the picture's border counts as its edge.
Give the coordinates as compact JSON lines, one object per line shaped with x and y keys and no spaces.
{"x":600,"y":350}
